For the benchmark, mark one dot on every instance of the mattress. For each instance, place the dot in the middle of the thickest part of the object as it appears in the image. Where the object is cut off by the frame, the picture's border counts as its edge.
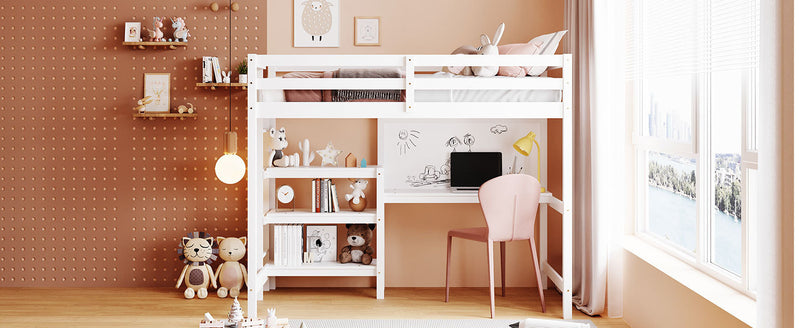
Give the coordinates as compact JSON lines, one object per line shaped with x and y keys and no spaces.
{"x":456,"y":95}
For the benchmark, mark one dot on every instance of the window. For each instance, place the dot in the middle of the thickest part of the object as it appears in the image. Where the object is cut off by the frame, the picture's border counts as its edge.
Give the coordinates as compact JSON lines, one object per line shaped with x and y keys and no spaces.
{"x":691,"y":72}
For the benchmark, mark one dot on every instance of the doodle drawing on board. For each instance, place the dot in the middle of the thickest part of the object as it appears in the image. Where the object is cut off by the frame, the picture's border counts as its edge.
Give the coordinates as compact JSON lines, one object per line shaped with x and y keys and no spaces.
{"x":498,"y":129}
{"x":469,"y":140}
{"x":405,"y":140}
{"x":430,"y":176}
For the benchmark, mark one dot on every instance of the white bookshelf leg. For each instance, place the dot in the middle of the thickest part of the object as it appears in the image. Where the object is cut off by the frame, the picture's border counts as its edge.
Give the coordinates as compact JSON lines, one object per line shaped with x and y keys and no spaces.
{"x":543,"y":243}
{"x":381,"y":232}
{"x":567,"y":128}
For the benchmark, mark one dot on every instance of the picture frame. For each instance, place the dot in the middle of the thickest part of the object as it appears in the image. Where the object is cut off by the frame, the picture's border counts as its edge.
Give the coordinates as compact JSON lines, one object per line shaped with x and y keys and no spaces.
{"x":321,"y":243}
{"x":367,"y":30}
{"x":133,"y":31}
{"x":316,"y":23}
{"x":156,"y":85}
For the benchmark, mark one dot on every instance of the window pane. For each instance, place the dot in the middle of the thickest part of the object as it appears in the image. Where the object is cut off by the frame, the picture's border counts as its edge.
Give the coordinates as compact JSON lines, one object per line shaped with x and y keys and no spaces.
{"x":671,"y":201}
{"x":726,"y":145}
{"x":667,"y":109}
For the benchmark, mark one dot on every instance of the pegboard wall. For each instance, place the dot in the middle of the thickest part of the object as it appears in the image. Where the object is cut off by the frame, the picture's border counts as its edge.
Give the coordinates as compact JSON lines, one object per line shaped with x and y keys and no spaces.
{"x":90,"y":196}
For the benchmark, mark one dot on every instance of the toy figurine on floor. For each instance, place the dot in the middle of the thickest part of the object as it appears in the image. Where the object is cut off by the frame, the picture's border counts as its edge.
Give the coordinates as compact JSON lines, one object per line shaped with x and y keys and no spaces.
{"x":231,"y":274}
{"x":196,"y":250}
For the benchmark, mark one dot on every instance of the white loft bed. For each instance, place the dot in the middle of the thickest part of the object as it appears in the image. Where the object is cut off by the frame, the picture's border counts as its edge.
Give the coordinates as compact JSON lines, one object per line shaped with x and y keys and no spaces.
{"x":263,"y":111}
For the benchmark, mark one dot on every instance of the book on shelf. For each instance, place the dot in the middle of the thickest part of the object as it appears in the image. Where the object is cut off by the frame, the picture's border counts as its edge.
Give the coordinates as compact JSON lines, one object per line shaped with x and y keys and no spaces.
{"x":276,"y":244}
{"x":316,"y":192}
{"x":314,"y":195}
{"x":321,"y":243}
{"x":217,"y":69}
{"x":334,"y":199}
{"x":208,"y":71}
{"x":325,"y":196}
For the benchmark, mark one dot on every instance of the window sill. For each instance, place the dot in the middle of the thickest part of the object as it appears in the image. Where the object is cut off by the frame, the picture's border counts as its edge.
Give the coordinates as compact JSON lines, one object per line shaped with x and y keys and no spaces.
{"x":728,"y":299}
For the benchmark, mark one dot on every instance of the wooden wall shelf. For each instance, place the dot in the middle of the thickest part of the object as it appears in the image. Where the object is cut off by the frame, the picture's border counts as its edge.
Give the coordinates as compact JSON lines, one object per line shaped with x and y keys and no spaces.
{"x":155,"y":45}
{"x":165,"y":116}
{"x":214,"y":86}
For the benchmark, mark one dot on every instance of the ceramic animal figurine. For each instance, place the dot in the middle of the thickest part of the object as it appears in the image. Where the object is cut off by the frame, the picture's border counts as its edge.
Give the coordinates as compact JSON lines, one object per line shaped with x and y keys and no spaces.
{"x":142,"y":103}
{"x":188,"y":108}
{"x":231,"y":274}
{"x":156,"y":35}
{"x":489,"y":47}
{"x":278,"y":143}
{"x":197,"y":250}
{"x":181,"y":33}
{"x":357,"y":200}
{"x":226,"y":77}
{"x":308,"y":156}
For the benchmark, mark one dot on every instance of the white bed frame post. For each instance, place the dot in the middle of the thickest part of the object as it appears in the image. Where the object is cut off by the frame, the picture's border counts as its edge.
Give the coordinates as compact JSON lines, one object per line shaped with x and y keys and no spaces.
{"x":255,"y":192}
{"x":567,"y":187}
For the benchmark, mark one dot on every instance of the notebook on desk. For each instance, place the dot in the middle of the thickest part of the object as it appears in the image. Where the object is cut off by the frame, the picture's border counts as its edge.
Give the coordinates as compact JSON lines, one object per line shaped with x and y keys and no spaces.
{"x":469,"y":170}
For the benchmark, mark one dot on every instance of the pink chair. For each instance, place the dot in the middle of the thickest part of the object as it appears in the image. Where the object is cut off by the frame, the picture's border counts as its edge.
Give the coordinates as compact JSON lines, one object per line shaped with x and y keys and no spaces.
{"x":509,"y":205}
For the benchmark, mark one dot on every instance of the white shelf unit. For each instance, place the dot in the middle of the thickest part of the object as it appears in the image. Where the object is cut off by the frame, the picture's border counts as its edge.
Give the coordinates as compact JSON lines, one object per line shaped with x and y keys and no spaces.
{"x":262,"y":114}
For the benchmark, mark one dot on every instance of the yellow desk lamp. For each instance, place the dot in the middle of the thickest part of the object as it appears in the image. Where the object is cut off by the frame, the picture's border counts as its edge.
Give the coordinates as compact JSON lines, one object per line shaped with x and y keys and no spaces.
{"x":524,"y":146}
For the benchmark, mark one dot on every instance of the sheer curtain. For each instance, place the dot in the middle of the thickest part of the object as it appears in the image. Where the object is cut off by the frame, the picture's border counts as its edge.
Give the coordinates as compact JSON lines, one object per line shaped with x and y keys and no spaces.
{"x":600,"y":151}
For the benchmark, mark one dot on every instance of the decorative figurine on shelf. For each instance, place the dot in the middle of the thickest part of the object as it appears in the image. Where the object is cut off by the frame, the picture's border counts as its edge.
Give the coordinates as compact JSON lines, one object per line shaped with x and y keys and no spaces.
{"x":329,"y":155}
{"x":357,"y":200}
{"x":308,"y":156}
{"x":278,"y":143}
{"x":226,"y":77}
{"x":350,"y":160}
{"x":358,"y":249}
{"x":156,"y":35}
{"x":142,"y":104}
{"x":188,"y":108}
{"x":181,"y":33}
{"x":363,"y":162}
{"x":231,"y":274}
{"x":196,"y":250}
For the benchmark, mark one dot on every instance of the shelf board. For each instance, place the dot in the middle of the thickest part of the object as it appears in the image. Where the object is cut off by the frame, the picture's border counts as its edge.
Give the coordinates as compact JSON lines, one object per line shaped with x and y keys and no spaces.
{"x":214,"y":86}
{"x":418,"y":196}
{"x":305,"y":216}
{"x":145,"y":44}
{"x":153,"y":116}
{"x":325,"y":269}
{"x":371,"y":171}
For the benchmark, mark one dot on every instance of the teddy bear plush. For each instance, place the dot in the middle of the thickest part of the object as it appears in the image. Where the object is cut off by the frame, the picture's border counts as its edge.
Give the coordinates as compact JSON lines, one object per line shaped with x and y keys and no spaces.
{"x":231,"y":274}
{"x":358,"y":249}
{"x":196,"y":250}
{"x":278,"y":143}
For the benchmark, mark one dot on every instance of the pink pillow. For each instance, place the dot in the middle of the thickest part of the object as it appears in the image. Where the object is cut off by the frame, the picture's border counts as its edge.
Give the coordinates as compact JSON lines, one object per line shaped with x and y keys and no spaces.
{"x":516,"y":49}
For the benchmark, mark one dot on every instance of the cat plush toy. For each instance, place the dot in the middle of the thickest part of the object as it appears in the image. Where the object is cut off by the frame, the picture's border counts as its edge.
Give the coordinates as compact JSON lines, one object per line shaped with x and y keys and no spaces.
{"x":197,"y":250}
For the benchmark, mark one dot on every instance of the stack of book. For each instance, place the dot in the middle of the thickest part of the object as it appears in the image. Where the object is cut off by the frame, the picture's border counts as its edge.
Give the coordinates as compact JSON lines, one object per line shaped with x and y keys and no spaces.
{"x":288,"y":244}
{"x":211,"y":70}
{"x":324,"y":198}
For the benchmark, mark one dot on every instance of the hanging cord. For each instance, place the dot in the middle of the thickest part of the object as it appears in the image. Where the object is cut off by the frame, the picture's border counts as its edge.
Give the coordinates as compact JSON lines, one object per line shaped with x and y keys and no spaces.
{"x":230,"y":66}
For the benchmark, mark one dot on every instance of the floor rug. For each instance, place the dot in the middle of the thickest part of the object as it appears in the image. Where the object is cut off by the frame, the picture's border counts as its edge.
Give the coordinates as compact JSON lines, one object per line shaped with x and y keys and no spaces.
{"x":409,"y":323}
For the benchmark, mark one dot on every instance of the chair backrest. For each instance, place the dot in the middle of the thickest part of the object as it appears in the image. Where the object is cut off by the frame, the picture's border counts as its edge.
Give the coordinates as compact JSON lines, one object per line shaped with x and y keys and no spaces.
{"x":509,"y":205}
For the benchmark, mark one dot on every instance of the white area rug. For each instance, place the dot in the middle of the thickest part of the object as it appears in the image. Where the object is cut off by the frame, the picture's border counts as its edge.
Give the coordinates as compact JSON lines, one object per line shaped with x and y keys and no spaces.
{"x":408,"y":323}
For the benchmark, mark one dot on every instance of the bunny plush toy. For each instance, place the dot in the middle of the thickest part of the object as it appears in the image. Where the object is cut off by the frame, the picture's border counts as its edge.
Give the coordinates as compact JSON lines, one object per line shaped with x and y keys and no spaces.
{"x":489,"y":47}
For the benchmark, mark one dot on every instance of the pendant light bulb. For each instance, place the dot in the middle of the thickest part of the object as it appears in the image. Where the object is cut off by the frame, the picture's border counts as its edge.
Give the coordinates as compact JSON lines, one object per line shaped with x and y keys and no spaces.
{"x":230,"y":167}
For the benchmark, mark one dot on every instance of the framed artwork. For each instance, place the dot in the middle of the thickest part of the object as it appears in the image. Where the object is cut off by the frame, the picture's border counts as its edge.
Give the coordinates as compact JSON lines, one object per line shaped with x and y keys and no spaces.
{"x":133,"y":31}
{"x":316,"y":23}
{"x":156,"y":85}
{"x":321,"y":243}
{"x":367,"y":31}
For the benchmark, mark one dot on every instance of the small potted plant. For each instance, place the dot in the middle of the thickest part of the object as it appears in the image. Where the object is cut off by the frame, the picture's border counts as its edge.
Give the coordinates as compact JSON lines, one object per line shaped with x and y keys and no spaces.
{"x":242,"y":69}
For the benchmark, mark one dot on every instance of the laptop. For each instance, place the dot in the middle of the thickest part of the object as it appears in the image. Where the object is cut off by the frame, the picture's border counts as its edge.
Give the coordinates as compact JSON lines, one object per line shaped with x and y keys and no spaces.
{"x":469,"y":170}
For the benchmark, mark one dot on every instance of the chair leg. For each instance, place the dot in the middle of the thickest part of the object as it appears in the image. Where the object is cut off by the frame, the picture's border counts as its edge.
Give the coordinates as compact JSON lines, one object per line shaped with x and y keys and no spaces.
{"x":538,"y":272}
{"x":490,"y":249}
{"x":503,"y":267}
{"x":447,"y":274}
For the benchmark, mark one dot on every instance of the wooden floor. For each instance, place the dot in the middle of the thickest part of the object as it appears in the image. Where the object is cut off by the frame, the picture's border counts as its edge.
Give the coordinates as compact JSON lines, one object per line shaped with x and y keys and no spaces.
{"x":166,"y":307}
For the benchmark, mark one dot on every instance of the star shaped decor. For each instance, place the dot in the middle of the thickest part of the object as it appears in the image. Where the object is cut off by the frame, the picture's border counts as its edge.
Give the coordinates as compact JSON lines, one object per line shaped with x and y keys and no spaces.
{"x":329,"y":155}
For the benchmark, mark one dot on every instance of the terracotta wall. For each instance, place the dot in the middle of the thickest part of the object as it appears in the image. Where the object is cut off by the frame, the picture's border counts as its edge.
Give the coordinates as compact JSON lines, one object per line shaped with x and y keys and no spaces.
{"x":90,"y":196}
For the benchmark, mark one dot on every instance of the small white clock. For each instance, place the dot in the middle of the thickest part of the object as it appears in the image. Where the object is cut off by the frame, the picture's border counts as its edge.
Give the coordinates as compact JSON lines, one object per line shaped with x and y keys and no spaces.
{"x":285,"y":194}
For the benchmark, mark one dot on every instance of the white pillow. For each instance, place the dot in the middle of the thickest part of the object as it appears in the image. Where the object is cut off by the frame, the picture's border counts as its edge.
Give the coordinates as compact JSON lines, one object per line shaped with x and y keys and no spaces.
{"x":547,"y":45}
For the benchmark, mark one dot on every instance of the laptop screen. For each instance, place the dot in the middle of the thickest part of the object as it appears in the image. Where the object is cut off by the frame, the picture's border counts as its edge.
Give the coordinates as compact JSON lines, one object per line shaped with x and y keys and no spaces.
{"x":469,"y":170}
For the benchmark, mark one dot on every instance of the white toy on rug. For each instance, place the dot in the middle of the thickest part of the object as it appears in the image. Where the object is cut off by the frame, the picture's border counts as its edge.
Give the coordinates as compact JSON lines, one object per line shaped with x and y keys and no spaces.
{"x":278,"y":143}
{"x":489,"y":47}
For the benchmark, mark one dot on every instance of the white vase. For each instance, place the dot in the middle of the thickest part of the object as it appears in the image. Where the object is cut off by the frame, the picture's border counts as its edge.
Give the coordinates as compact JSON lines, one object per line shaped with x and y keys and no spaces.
{"x":242,"y":78}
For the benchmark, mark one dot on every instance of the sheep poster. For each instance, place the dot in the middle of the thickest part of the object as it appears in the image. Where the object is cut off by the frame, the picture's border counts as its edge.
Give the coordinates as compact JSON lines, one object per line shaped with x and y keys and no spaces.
{"x":316,"y":23}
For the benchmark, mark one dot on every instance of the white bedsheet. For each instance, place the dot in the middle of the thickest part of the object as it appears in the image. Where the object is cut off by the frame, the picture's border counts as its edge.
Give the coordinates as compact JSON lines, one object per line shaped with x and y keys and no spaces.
{"x":451,"y":95}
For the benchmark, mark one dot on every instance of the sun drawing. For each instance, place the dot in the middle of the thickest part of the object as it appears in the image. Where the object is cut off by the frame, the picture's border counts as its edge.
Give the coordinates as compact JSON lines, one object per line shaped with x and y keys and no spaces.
{"x":406,"y":139}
